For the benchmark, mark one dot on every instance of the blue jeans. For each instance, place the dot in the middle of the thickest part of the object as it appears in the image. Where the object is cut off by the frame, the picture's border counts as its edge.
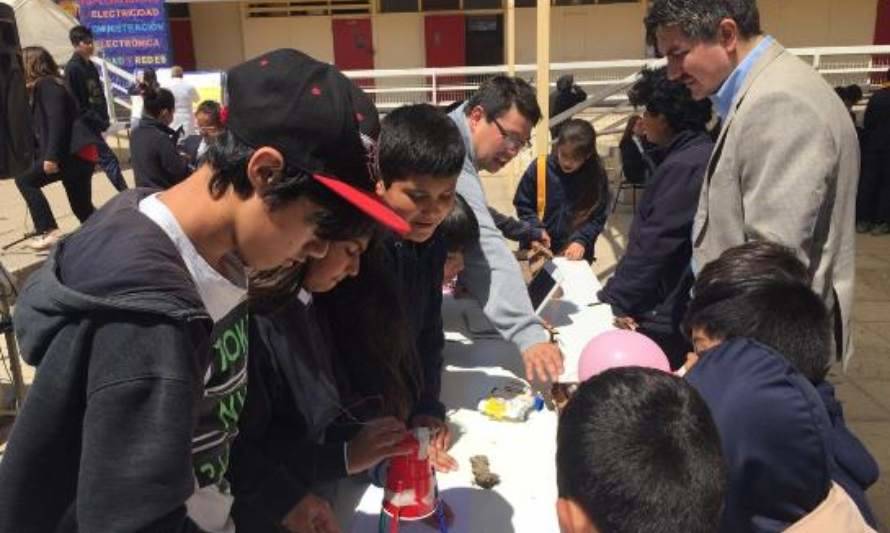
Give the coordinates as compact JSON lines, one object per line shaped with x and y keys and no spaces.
{"x":109,"y":163}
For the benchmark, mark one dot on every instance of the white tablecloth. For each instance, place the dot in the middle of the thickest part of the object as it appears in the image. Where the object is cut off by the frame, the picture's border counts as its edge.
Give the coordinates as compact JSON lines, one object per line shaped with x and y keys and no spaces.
{"x":523,"y":454}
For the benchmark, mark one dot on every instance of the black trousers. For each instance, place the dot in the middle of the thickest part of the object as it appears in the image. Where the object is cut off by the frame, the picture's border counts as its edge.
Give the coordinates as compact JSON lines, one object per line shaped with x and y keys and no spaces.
{"x":873,"y":197}
{"x":76,"y":176}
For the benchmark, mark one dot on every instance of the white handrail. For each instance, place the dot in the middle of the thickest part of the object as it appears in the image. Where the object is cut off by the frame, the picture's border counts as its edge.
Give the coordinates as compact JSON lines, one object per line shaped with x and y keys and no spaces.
{"x":394,"y":87}
{"x":112,"y":98}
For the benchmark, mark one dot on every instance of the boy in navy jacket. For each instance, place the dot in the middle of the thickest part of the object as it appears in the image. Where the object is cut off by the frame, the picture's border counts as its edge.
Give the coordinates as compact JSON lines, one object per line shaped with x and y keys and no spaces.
{"x":760,"y":290}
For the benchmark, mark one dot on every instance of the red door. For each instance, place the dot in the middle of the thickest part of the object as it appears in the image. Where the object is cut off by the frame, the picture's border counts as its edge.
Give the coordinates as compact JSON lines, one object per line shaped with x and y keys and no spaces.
{"x":353,"y":49}
{"x":182,"y":43}
{"x":882,"y":23}
{"x":882,"y":36}
{"x":446,"y":46}
{"x":446,"y":43}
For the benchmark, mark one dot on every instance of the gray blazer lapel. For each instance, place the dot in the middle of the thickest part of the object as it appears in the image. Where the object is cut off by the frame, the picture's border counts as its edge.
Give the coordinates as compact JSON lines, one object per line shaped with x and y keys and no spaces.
{"x":701,"y":219}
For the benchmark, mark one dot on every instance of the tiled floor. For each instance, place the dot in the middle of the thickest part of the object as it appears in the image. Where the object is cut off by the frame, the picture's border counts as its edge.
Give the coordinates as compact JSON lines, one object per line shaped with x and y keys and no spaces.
{"x":864,"y":387}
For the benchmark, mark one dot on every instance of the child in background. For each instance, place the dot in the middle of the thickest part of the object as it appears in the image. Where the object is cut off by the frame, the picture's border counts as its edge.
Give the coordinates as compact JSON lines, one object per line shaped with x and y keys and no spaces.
{"x":574,"y":205}
{"x":459,"y":229}
{"x":208,"y":118}
{"x":420,"y":155}
{"x":760,"y":290}
{"x":638,"y":452}
{"x":157,"y":162}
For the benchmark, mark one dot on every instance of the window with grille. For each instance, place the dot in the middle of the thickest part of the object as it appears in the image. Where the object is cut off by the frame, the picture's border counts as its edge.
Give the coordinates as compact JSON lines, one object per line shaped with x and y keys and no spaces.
{"x":299,"y":8}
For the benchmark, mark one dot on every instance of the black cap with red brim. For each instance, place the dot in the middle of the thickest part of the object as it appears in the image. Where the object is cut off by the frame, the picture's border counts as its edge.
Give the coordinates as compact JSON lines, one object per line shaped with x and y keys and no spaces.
{"x":311,"y":113}
{"x":367,"y":203}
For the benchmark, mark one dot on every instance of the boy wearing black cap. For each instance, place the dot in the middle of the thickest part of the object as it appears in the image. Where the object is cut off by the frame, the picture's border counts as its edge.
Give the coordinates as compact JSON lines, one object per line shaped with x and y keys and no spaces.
{"x":137,"y":321}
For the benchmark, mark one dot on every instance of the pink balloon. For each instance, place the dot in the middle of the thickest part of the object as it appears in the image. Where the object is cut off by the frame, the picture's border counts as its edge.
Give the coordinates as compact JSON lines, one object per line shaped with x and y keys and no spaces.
{"x":618,"y":348}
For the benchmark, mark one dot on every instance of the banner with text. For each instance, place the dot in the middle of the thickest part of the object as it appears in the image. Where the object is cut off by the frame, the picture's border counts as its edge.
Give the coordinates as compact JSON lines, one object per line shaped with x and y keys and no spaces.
{"x":132,"y":34}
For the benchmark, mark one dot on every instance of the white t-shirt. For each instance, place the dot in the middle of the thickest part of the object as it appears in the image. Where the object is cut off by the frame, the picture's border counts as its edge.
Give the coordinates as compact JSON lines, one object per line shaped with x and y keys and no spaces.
{"x":225,"y":382}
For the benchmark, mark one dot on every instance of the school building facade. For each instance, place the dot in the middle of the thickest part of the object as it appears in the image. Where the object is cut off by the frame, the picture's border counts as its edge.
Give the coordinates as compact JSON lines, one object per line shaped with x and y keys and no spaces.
{"x":398,"y":34}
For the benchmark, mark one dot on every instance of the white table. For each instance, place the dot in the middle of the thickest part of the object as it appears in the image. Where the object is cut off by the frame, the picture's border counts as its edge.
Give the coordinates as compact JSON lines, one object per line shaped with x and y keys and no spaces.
{"x":523,"y":454}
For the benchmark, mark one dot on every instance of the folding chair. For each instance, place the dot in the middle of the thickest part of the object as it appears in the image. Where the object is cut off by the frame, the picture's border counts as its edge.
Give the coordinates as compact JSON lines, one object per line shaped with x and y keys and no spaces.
{"x":624,"y":185}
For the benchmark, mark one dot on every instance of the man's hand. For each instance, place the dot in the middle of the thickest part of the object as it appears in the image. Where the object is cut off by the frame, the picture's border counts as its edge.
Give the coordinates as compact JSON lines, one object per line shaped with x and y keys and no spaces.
{"x":575,"y":252}
{"x":311,"y":515}
{"x":50,"y":168}
{"x":441,"y":441}
{"x":379,"y":439}
{"x":543,"y":362}
{"x":626,"y":322}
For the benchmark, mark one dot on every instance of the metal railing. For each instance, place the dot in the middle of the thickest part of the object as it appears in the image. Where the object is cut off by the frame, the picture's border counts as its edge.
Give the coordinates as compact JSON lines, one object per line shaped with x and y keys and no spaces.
{"x":605,"y":81}
{"x":116,"y":83}
{"x":862,"y":65}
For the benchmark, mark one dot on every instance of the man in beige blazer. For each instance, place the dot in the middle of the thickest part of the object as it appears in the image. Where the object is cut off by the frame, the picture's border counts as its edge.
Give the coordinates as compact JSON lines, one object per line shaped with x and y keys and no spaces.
{"x":786,"y":164}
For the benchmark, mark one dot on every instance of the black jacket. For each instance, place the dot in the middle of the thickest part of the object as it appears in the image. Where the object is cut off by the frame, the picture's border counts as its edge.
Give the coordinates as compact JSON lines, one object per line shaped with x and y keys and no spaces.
{"x":287,"y":443}
{"x":157,"y":163}
{"x":563,"y":191}
{"x":53,"y":111}
{"x":420,"y":269}
{"x":876,"y":124}
{"x":189,"y":146}
{"x":123,"y":346}
{"x":83,"y":80}
{"x":652,"y":280}
{"x":636,"y":165}
{"x":563,"y":100}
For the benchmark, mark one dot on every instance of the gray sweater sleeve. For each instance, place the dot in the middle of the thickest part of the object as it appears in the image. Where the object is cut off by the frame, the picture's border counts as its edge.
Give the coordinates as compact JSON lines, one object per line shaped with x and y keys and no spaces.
{"x":492,"y":274}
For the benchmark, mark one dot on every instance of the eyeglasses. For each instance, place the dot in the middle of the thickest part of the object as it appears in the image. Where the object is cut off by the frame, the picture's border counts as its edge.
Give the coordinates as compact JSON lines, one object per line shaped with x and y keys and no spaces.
{"x":512,"y":139}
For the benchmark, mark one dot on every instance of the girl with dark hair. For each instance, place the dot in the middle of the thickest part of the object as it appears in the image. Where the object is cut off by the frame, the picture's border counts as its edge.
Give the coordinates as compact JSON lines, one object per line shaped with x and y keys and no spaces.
{"x":53,"y":112}
{"x":572,"y":207}
{"x":650,"y":289}
{"x":156,"y":161}
{"x":381,"y":372}
{"x":298,"y":433}
{"x":146,"y":80}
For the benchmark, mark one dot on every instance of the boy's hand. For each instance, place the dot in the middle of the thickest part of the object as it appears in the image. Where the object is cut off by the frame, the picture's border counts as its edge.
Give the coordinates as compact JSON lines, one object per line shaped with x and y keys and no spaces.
{"x":626,"y":322}
{"x":574,"y":252}
{"x":379,"y":439}
{"x":544,"y":241}
{"x":50,"y":168}
{"x":691,"y":360}
{"x":543,"y":362}
{"x":311,"y":515}
{"x":440,"y":442}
